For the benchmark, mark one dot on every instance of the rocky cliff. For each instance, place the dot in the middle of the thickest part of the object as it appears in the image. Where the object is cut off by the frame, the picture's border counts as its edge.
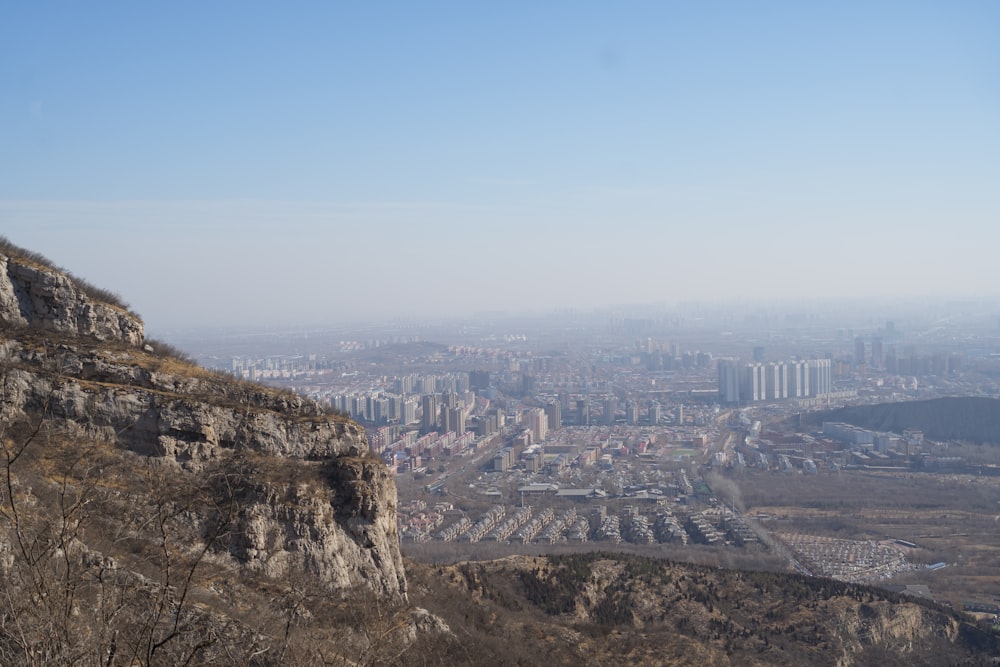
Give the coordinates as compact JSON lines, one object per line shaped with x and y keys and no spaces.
{"x":35,"y":295}
{"x":191,"y":470}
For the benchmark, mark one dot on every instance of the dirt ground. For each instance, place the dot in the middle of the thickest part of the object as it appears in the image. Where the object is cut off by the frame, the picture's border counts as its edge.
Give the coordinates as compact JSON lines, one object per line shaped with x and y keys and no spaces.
{"x":954,"y":519}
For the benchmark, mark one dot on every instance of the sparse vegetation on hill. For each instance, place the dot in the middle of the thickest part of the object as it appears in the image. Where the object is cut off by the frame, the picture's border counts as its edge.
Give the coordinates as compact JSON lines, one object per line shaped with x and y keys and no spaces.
{"x":94,"y":292}
{"x":604,"y":609}
{"x":162,"y":349}
{"x":112,"y":558}
{"x":146,"y":504}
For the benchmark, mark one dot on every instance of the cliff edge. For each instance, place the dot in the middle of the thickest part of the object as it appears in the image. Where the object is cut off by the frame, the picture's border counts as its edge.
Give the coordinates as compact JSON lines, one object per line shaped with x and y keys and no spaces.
{"x":37,"y":295}
{"x":189,"y":484}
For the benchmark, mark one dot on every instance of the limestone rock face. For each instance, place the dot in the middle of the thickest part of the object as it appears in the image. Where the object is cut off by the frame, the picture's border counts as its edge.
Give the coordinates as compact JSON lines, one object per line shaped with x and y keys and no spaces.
{"x":287,"y":526}
{"x":297,"y":489}
{"x":40,"y":297}
{"x":897,"y":627}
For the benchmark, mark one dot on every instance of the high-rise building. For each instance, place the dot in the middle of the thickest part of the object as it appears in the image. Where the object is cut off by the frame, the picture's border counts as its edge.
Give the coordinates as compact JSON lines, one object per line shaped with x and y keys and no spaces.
{"x":395,"y":407}
{"x":380,"y":439}
{"x":553,"y":411}
{"x":753,"y":386}
{"x":631,"y":413}
{"x":777,"y":382}
{"x":774,"y":381}
{"x":444,"y":419}
{"x":654,"y":413}
{"x":498,"y":417}
{"x":798,"y":379}
{"x":341,"y":403}
{"x":610,"y":407}
{"x":408,"y":412}
{"x":456,"y":420}
{"x":729,"y":381}
{"x":859,"y":351}
{"x":877,"y":361}
{"x":357,"y":407}
{"x":891,"y":363}
{"x":427,"y":384}
{"x":429,"y":418}
{"x":820,"y":377}
{"x":380,"y":412}
{"x":538,"y":424}
{"x":404,"y":385}
{"x":479,"y":380}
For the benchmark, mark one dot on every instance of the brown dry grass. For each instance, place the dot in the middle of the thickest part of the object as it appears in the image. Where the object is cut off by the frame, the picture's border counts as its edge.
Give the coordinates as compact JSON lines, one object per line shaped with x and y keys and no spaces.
{"x":952,"y":518}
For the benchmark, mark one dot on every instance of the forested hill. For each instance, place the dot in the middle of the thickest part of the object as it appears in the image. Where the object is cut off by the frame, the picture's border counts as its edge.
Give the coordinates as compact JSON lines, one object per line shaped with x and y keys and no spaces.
{"x":974,"y":419}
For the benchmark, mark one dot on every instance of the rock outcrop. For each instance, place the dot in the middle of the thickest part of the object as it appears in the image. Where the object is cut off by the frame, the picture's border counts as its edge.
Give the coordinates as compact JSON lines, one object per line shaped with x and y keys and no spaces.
{"x":622,"y":609}
{"x":299,"y":493}
{"x":38,"y":296}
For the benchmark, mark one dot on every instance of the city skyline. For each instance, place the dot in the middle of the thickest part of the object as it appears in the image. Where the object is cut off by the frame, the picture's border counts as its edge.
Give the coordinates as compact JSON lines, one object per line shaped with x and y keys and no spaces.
{"x":221,"y":165}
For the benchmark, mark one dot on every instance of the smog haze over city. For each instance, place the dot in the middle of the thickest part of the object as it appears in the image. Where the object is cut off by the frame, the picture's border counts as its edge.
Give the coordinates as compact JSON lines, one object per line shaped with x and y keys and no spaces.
{"x":227,"y":164}
{"x":710,"y":284}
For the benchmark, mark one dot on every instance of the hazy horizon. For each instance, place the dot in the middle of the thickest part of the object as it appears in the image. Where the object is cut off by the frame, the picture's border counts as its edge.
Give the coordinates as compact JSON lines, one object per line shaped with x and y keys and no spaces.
{"x":224,"y":165}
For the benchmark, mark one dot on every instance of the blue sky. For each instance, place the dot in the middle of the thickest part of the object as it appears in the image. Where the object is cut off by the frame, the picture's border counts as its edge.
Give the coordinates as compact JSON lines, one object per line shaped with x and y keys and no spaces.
{"x":321,"y":162}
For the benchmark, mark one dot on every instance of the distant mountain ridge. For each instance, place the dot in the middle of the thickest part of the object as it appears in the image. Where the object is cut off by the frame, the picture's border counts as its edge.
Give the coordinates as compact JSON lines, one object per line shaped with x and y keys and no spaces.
{"x":973,"y":419}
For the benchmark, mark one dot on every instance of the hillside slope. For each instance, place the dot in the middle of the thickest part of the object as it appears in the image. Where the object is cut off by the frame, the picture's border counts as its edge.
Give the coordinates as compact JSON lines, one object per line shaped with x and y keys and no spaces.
{"x":155,"y":513}
{"x":618,"y":609}
{"x":974,"y":419}
{"x":146,"y":504}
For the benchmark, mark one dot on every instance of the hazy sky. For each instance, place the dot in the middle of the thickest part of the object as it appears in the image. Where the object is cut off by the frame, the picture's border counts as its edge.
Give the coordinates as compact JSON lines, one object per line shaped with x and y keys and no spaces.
{"x":313,"y":162}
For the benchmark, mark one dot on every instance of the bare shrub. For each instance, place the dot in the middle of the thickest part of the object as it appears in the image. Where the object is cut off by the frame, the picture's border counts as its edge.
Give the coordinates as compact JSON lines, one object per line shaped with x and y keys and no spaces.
{"x":95,"y":293}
